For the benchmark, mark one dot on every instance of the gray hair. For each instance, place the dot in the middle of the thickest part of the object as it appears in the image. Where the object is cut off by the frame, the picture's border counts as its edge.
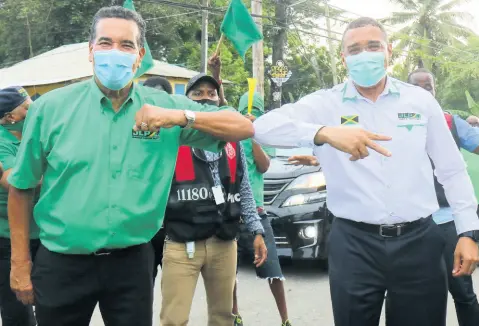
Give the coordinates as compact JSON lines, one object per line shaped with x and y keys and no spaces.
{"x":123,"y":13}
{"x":363,"y":22}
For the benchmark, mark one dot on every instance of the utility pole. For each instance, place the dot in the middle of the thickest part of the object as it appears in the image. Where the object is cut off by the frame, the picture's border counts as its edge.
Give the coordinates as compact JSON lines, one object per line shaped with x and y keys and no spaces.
{"x":332,"y":55}
{"x":279,"y":42}
{"x":258,"y":54}
{"x":204,"y":37}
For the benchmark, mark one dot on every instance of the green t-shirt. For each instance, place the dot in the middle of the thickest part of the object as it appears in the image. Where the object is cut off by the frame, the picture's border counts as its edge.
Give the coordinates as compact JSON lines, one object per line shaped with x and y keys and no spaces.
{"x":255,"y":178}
{"x":472,"y":161}
{"x":104,"y":186}
{"x":8,"y":151}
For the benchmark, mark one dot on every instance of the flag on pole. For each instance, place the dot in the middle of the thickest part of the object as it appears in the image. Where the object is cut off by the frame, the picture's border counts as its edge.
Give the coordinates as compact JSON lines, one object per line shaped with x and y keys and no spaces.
{"x":147,"y":62}
{"x":239,"y":27}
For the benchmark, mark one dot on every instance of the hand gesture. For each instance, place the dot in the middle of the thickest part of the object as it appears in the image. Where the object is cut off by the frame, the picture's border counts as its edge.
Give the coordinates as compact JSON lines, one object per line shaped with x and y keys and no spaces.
{"x":20,"y":281}
{"x":214,"y":65}
{"x":308,"y":160}
{"x":153,"y":118}
{"x":466,"y":257}
{"x":354,"y":141}
{"x":260,"y":251}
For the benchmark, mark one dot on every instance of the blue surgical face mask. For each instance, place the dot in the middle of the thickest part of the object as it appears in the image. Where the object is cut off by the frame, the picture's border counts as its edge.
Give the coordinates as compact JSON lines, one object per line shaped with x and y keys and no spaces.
{"x":113,"y":68}
{"x":366,"y":69}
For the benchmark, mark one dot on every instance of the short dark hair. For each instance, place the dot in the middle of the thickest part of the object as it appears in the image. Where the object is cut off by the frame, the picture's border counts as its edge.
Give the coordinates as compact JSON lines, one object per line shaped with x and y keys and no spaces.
{"x":363,"y":22}
{"x":419,"y":70}
{"x":119,"y":12}
{"x":159,"y":81}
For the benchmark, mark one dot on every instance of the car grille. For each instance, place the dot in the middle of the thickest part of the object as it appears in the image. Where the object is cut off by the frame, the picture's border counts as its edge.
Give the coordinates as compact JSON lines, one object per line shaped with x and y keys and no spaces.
{"x":272,"y":187}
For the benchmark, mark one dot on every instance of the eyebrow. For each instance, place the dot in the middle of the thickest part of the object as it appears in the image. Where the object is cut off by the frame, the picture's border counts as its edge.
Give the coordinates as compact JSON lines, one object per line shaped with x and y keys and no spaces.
{"x":103,"y":38}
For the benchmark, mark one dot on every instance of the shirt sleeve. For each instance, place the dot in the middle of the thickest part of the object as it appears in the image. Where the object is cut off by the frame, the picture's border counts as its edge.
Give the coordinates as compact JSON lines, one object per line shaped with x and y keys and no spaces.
{"x":292,"y":125}
{"x":195,"y":138}
{"x":450,"y":170}
{"x":30,"y":161}
{"x":248,"y":205}
{"x":7,"y":156}
{"x":468,"y":135}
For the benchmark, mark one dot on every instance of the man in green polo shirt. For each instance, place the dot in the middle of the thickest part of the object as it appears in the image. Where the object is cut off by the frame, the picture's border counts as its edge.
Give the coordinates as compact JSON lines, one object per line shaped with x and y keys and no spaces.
{"x":14,"y":104}
{"x":106,"y":149}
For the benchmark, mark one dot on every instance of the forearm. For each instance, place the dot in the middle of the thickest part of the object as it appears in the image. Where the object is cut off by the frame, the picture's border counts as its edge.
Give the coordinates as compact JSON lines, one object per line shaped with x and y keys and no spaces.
{"x":260,"y":158}
{"x":19,"y":215}
{"x":275,"y":129}
{"x":224,"y":125}
{"x":223,"y":101}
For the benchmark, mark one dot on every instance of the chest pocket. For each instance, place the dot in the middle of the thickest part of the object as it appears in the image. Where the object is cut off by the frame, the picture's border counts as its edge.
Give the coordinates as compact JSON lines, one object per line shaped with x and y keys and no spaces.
{"x":410,"y":136}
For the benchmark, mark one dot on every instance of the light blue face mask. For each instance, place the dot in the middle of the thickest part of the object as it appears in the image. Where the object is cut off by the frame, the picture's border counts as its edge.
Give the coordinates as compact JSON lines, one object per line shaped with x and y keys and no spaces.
{"x":366,"y":69}
{"x":113,"y":68}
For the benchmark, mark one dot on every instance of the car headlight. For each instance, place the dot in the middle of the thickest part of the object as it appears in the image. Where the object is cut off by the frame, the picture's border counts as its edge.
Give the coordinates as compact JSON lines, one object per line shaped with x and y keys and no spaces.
{"x":304,"y":199}
{"x":308,"y":232}
{"x":307,"y":181}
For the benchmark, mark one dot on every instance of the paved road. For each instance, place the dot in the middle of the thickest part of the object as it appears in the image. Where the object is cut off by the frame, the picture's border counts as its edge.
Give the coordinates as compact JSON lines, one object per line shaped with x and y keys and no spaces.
{"x":307,"y":293}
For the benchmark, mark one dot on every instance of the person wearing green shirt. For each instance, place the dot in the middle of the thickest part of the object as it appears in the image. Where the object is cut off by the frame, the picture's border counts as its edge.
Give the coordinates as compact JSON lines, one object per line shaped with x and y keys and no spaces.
{"x":106,"y":149}
{"x":14,"y":104}
{"x":258,"y":160}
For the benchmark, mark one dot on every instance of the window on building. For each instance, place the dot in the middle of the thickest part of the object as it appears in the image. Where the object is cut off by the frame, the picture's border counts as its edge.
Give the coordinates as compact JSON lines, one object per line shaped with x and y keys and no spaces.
{"x":180,"y":89}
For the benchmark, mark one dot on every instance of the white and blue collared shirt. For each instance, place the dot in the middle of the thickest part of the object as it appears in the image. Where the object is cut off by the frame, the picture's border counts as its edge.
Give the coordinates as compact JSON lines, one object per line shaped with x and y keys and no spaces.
{"x":379,"y":189}
{"x":468,"y":140}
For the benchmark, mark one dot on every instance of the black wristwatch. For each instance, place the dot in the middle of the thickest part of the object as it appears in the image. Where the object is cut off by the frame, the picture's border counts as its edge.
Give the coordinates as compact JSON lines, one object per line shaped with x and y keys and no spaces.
{"x":470,"y":234}
{"x":258,"y":232}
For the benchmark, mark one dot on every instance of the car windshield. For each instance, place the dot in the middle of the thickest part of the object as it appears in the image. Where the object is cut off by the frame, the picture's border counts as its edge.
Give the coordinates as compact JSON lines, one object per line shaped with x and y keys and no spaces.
{"x":293,"y":151}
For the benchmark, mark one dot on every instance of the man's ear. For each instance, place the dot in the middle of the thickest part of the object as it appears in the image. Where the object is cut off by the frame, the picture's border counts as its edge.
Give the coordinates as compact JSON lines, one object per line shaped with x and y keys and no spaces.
{"x":8,"y":117}
{"x":343,"y":60}
{"x":140,"y":58}
{"x":90,"y":52}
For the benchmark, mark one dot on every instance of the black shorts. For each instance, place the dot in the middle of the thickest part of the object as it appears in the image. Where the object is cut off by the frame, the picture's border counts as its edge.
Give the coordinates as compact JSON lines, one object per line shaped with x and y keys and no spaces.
{"x":271,"y":269}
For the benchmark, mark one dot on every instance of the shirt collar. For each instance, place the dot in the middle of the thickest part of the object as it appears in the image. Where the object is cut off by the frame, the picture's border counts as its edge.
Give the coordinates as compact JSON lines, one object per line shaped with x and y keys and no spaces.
{"x":350,"y":93}
{"x":7,"y":135}
{"x":98,"y":96}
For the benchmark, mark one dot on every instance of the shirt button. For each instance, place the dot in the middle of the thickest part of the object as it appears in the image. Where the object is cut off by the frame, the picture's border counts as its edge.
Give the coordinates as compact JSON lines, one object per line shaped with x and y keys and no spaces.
{"x":115,"y":119}
{"x":391,"y":214}
{"x":115,"y":147}
{"x":113,"y":175}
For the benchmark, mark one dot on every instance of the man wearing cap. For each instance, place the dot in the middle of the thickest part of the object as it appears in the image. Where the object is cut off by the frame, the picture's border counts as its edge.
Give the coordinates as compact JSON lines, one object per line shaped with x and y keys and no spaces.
{"x":209,"y":194}
{"x":106,"y":149}
{"x":14,"y":103}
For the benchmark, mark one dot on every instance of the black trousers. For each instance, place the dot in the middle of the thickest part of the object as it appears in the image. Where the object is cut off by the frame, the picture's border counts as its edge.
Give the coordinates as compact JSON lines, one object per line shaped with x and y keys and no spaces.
{"x":12,"y":311}
{"x":363,"y":266}
{"x":158,"y":242}
{"x":68,"y":287}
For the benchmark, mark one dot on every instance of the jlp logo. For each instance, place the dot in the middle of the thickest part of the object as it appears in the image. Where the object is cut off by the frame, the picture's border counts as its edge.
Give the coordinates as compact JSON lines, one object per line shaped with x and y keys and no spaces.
{"x":145,"y":134}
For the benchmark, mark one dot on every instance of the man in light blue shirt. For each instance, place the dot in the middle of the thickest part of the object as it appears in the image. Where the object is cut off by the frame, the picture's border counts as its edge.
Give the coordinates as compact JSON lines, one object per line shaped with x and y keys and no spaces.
{"x":466,"y":137}
{"x":383,"y":238}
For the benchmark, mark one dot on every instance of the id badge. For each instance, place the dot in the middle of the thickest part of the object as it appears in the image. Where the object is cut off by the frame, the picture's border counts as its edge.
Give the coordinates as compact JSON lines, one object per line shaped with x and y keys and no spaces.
{"x":218,"y":194}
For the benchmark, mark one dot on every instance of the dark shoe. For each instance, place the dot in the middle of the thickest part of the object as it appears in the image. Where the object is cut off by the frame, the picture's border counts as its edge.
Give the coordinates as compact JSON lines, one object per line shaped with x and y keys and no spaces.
{"x":238,"y":320}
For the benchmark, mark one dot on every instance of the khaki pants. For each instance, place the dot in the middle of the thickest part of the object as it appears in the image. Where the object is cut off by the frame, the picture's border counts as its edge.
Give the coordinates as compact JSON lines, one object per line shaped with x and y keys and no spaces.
{"x":216,"y":260}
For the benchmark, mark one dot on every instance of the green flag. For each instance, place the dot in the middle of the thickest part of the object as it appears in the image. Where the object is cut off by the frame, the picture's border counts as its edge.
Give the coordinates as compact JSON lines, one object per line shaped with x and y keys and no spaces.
{"x":147,"y":62}
{"x":239,"y":27}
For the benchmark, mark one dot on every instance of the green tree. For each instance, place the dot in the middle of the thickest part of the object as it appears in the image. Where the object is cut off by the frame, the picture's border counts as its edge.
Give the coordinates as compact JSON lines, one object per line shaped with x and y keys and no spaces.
{"x":427,"y":25}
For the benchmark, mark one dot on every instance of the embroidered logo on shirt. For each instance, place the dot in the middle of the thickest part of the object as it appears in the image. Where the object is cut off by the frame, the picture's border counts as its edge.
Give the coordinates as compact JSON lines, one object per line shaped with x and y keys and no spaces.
{"x":409,"y":116}
{"x":409,"y":127}
{"x":350,"y":120}
{"x":145,"y":134}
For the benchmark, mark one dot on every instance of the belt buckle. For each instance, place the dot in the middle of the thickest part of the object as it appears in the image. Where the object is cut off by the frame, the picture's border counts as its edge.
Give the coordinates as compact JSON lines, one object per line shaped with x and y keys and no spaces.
{"x":397,"y":227}
{"x":102,"y":252}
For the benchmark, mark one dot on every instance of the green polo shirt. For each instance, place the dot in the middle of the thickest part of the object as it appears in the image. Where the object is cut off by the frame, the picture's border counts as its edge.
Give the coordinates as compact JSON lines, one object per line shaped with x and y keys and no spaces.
{"x":104,"y":186}
{"x":8,"y":151}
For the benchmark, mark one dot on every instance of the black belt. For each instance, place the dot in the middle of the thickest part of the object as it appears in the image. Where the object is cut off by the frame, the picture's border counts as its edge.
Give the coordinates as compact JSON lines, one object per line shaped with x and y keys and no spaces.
{"x":388,"y":230}
{"x":107,"y":252}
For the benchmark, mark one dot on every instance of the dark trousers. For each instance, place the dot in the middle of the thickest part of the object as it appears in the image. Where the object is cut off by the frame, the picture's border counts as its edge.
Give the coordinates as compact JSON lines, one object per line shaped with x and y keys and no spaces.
{"x":364,"y":265}
{"x":158,"y":242}
{"x":12,"y":311}
{"x":68,"y":287}
{"x":461,"y":288}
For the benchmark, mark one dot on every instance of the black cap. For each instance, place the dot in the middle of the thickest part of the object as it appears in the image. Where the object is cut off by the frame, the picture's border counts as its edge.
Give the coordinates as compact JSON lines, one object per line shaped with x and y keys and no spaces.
{"x":10,"y":98}
{"x":202,"y":78}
